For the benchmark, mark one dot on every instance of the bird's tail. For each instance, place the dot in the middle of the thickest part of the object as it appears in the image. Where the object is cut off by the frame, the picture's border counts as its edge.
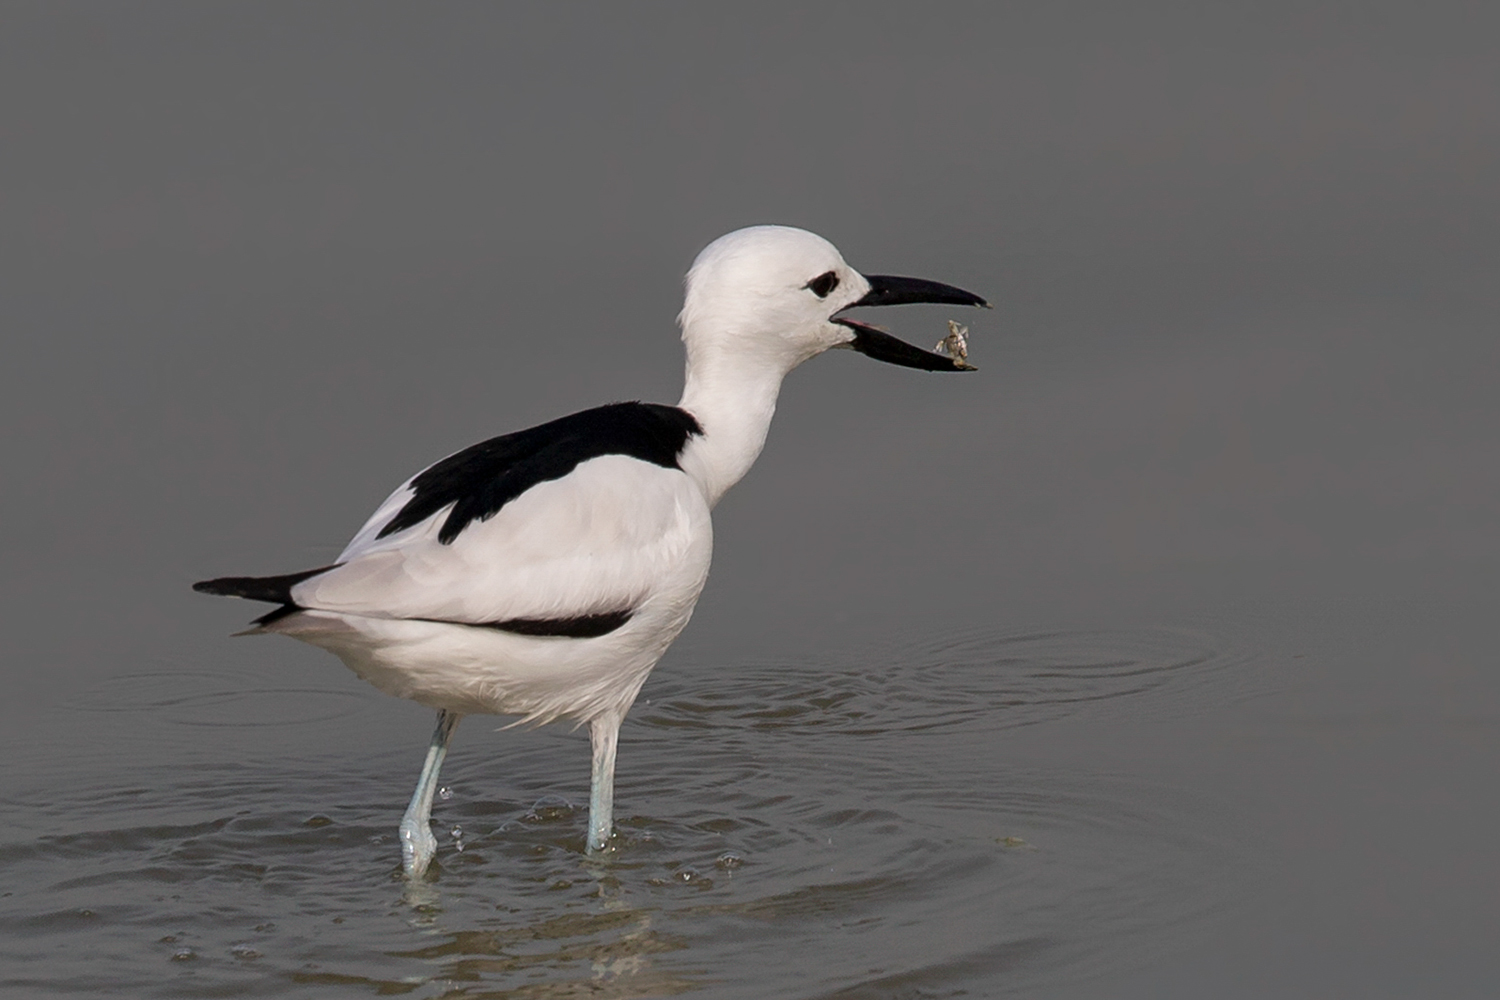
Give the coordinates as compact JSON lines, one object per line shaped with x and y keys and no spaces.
{"x":276,"y":589}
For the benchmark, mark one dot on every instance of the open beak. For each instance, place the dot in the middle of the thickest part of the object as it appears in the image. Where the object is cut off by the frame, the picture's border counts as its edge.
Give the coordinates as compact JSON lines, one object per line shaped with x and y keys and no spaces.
{"x":889,"y":290}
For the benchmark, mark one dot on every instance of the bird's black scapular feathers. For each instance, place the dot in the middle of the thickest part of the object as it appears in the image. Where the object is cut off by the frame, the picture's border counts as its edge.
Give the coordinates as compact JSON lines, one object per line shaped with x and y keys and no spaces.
{"x":481,"y":479}
{"x":277,"y":589}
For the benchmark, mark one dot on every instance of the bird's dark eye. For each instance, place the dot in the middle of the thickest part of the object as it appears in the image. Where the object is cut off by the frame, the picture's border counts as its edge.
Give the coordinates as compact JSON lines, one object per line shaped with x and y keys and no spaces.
{"x":823,"y":284}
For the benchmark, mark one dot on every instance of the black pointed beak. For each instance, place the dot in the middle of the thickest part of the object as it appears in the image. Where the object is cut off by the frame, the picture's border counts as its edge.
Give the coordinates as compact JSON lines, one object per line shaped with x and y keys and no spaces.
{"x":882,"y":346}
{"x":889,"y":290}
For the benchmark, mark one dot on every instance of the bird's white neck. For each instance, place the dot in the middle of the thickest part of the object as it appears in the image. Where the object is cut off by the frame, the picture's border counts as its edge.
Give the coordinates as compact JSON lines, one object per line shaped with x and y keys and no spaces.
{"x":733,"y":396}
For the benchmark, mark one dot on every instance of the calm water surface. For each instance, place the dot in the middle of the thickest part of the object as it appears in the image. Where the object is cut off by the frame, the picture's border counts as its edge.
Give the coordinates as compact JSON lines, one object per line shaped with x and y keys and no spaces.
{"x":811,"y":828}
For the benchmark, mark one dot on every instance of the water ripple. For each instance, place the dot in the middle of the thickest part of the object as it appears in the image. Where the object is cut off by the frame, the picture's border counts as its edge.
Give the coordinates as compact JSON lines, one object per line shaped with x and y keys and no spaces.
{"x":865,"y":810}
{"x":204,"y":698}
{"x":998,"y":680}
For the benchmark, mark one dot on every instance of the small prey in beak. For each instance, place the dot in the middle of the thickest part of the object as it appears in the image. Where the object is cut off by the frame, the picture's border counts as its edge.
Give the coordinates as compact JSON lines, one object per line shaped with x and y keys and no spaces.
{"x":956,"y":344}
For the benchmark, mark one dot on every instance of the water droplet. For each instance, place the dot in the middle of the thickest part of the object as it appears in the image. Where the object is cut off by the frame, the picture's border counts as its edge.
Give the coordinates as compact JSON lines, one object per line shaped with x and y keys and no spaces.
{"x":685,"y":874}
{"x":244,"y":951}
{"x":729,"y":860}
{"x":317,"y":820}
{"x":183,"y":955}
{"x":445,"y":793}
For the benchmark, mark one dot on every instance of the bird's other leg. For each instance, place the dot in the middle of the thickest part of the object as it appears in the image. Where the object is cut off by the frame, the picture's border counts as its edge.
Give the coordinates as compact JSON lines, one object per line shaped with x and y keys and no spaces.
{"x":418,"y":845}
{"x":604,"y":732}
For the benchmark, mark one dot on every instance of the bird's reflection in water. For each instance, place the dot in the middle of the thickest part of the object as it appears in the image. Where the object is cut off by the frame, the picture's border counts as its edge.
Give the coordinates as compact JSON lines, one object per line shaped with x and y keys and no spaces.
{"x":605,"y":949}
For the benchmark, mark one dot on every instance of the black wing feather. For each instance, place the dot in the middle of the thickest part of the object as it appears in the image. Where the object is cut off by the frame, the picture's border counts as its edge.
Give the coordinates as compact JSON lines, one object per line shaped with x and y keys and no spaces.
{"x":483,"y":478}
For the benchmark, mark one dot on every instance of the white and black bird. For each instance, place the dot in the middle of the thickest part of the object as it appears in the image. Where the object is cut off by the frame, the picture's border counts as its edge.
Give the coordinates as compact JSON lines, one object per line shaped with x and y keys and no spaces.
{"x":543,"y":573}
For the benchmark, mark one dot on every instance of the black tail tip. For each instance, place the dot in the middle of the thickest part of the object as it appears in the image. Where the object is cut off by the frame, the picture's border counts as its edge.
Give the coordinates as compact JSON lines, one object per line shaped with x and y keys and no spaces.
{"x":276,"y":589}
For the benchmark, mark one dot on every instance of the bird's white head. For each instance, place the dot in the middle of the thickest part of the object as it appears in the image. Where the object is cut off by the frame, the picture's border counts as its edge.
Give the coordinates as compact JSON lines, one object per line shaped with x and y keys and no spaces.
{"x":770,"y":296}
{"x":767,"y":293}
{"x":761,"y":301}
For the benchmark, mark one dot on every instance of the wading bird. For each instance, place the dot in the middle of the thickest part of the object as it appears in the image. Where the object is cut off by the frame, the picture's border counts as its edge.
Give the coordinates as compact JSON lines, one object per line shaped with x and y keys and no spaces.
{"x":543,"y":573}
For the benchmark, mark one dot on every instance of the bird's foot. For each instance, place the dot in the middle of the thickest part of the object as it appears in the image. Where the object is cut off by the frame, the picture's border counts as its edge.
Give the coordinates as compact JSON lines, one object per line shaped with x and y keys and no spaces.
{"x":418,"y":846}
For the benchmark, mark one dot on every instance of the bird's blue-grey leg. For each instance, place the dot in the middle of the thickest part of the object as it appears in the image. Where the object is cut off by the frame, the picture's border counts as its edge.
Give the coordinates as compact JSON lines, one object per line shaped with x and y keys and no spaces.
{"x":418,"y":845}
{"x":604,"y":732}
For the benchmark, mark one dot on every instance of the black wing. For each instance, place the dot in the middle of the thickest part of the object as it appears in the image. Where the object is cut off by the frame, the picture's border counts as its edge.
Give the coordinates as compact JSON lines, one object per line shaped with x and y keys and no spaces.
{"x":483,"y":478}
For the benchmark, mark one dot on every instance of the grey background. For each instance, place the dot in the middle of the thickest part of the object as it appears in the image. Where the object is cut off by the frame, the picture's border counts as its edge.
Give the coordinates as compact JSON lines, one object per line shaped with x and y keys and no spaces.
{"x":259,"y":263}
